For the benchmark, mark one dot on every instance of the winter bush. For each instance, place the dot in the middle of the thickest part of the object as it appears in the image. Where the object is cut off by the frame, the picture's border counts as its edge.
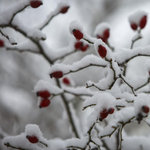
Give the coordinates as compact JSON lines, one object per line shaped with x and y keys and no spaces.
{"x":114,"y":102}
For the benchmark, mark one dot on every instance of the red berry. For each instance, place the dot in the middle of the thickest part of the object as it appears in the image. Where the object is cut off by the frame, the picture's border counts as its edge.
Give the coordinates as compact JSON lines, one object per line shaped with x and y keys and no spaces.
{"x":43,"y":94}
{"x":145,"y":109}
{"x":44,"y":103}
{"x":143,"y":22}
{"x":134,"y":26}
{"x":106,"y":34}
{"x":66,"y":81}
{"x":103,"y":114}
{"x":111,"y":110}
{"x":78,"y":45}
{"x":78,"y":34}
{"x":32,"y":139}
{"x":57,"y":74}
{"x":103,"y":39}
{"x":35,"y":3}
{"x":102,"y":51}
{"x":84,"y":48}
{"x":64,"y":9}
{"x":1,"y":43}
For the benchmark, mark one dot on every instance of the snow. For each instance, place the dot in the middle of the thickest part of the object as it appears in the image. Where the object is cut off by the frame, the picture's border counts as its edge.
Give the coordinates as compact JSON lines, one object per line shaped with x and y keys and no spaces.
{"x":76,"y":66}
{"x":141,"y":100}
{"x":75,"y":25}
{"x":20,"y":141}
{"x":127,"y":54}
{"x":7,"y":14}
{"x":100,"y":28}
{"x":33,"y":129}
{"x":44,"y":85}
{"x":137,"y":16}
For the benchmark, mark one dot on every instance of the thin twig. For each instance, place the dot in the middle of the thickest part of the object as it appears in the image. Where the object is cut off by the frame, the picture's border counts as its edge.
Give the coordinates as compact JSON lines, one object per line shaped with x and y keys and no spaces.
{"x":88,"y":106}
{"x":22,"y":50}
{"x":8,"y":145}
{"x":139,"y":37}
{"x":72,"y":71}
{"x":88,"y":86}
{"x":43,"y":143}
{"x":128,"y":85}
{"x":18,"y":11}
{"x":6,"y":36}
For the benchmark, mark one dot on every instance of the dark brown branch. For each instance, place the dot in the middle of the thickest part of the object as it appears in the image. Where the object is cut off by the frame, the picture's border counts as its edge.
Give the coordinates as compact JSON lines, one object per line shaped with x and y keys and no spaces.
{"x":22,"y":50}
{"x":128,"y":85}
{"x":8,"y":145}
{"x":43,"y":143}
{"x":88,"y":41}
{"x":88,"y":106}
{"x":68,"y":110}
{"x":18,"y":11}
{"x":96,"y":65}
{"x":88,"y":86}
{"x":65,"y":55}
{"x":136,"y":39}
{"x":48,"y":21}
{"x":6,"y":36}
{"x":143,"y":84}
{"x":76,"y":94}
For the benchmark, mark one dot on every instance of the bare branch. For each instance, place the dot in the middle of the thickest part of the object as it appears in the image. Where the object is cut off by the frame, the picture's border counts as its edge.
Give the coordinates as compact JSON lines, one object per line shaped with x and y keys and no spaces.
{"x":22,"y":50}
{"x":6,"y":36}
{"x":8,"y":145}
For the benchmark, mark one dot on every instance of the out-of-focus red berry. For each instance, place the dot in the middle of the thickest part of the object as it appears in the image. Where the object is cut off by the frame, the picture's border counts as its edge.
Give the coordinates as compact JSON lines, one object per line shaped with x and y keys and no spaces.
{"x":44,"y":103}
{"x":43,"y":94}
{"x":145,"y":109}
{"x":66,"y":81}
{"x":143,"y":22}
{"x":32,"y":139}
{"x":64,"y":9}
{"x":1,"y":43}
{"x":57,"y":74}
{"x":103,"y":114}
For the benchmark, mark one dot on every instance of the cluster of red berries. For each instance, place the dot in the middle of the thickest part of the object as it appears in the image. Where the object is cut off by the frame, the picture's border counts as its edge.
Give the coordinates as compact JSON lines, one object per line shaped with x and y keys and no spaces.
{"x":105,"y":112}
{"x":32,"y":139}
{"x":1,"y":43}
{"x":105,"y":35}
{"x":45,"y":98}
{"x":141,"y":24}
{"x":102,"y":51}
{"x":81,"y":46}
{"x":145,"y":110}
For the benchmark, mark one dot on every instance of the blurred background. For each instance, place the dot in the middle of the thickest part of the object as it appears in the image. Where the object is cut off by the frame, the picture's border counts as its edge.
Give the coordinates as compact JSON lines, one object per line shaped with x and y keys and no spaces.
{"x":19,"y":72}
